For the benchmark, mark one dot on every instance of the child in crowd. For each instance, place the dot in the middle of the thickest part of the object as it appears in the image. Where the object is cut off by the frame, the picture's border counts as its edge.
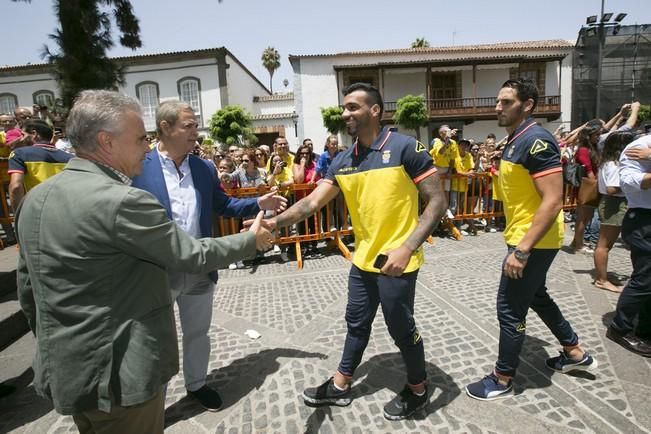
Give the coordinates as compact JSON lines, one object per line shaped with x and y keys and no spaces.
{"x":225,"y":171}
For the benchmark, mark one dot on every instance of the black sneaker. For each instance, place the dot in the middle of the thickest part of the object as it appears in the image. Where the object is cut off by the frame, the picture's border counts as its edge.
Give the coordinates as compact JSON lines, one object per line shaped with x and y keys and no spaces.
{"x":327,"y":394}
{"x":405,"y":404}
{"x":207,"y":397}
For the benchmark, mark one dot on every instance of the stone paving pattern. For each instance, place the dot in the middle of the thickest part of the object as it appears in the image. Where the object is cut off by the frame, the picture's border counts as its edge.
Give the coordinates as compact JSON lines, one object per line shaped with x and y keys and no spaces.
{"x":300,"y":317}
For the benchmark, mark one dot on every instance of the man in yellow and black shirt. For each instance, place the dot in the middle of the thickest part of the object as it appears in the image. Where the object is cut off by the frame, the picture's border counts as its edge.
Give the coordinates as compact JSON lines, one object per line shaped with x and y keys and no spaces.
{"x":381,"y":177}
{"x":531,"y":184}
{"x":31,"y":165}
{"x":445,"y":152}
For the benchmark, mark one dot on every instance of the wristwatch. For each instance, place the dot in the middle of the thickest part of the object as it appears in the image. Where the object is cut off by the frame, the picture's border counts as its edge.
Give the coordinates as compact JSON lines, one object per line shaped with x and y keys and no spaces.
{"x":520,"y":255}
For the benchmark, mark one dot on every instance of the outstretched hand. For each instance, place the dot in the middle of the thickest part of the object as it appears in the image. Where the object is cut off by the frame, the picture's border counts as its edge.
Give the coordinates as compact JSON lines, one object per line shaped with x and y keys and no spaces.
{"x":263,"y":238}
{"x":272,"y":202}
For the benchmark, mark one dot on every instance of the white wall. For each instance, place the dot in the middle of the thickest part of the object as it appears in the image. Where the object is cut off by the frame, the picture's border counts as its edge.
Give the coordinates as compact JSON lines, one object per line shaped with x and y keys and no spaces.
{"x":166,"y":76}
{"x":23,"y":86}
{"x":489,"y":80}
{"x":273,"y":107}
{"x":241,"y":86}
{"x":566,"y":92}
{"x":401,"y":82}
{"x":314,"y":87}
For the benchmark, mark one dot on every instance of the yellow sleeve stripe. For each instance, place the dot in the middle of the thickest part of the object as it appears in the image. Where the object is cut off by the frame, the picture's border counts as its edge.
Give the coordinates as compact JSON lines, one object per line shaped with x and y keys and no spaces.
{"x":422,"y":176}
{"x":547,"y":172}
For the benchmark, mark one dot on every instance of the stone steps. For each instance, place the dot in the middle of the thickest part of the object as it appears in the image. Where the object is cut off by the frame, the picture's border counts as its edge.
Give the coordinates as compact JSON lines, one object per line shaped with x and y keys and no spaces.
{"x":13,"y":324}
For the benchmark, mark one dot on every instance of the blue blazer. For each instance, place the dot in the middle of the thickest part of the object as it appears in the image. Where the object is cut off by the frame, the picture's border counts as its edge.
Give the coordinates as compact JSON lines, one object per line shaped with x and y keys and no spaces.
{"x":211,"y":195}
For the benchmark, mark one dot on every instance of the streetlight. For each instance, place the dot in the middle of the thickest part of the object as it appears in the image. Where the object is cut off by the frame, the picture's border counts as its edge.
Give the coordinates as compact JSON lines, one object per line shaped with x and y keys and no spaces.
{"x":599,"y":27}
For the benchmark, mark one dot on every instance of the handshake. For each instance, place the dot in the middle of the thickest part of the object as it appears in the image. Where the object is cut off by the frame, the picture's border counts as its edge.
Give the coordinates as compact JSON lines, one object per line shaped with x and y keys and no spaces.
{"x":263,"y":228}
{"x":263,"y":238}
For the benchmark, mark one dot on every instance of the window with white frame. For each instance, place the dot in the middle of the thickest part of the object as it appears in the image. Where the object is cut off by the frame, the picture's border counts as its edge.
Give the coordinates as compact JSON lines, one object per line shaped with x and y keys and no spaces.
{"x":147,"y":93}
{"x":8,"y":103}
{"x":44,"y":98}
{"x":189,"y":92}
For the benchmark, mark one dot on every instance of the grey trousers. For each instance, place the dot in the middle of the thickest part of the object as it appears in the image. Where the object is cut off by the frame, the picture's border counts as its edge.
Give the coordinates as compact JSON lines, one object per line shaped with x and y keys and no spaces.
{"x":194,"y":295}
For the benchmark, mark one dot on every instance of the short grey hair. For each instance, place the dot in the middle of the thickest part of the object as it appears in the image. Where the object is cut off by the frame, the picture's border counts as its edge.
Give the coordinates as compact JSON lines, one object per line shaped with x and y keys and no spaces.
{"x":94,"y":111}
{"x":169,"y":111}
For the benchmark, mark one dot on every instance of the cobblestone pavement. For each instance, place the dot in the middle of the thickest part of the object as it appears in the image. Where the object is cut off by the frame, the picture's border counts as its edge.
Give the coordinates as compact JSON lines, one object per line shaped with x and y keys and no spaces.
{"x":300,"y":317}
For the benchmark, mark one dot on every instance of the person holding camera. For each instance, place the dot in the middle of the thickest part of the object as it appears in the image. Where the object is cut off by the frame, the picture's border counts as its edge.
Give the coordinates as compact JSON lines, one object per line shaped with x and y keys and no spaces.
{"x":281,"y":148}
{"x":280,"y":176}
{"x":445,"y":152}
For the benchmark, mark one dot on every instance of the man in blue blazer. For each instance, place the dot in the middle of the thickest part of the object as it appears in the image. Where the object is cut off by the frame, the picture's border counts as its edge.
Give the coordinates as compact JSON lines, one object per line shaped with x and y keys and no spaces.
{"x":189,"y":190}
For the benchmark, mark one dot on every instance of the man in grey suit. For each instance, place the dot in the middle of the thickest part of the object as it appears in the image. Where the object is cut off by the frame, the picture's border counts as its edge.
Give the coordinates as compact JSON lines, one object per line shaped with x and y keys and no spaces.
{"x":92,"y":274}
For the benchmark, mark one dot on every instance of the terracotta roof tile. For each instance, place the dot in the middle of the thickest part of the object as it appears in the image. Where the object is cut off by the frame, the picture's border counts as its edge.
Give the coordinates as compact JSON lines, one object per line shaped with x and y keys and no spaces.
{"x":505,"y":46}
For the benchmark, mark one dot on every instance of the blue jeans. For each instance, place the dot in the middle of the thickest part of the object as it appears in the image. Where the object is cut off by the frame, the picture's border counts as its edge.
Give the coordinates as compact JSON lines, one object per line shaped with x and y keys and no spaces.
{"x":515,"y":297}
{"x":592,"y":230}
{"x":396,"y":295}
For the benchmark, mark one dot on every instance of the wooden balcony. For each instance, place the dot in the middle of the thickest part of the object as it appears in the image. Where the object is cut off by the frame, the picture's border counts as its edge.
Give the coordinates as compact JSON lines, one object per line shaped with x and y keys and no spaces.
{"x":471,"y":109}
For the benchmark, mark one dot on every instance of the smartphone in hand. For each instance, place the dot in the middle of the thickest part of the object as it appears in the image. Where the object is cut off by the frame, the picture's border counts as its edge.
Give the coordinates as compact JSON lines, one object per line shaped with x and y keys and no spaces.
{"x":380,"y":261}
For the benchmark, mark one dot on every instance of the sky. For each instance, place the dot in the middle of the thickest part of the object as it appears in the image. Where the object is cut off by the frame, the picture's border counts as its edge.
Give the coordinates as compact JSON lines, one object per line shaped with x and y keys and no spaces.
{"x":247,"y":27}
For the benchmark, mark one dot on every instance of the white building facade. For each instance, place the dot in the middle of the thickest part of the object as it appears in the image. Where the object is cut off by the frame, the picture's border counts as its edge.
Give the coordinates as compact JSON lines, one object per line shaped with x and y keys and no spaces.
{"x":458,"y":83}
{"x":207,"y":79}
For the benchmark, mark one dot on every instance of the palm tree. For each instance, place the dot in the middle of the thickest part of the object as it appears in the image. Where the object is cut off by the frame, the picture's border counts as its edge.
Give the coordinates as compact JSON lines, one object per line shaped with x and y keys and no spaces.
{"x":420,"y":43}
{"x":83,"y":38}
{"x":271,"y":62}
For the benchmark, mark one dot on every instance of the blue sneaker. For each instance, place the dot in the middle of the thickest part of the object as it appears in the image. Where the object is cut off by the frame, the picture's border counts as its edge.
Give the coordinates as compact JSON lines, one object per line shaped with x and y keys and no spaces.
{"x":489,"y":388}
{"x":564,"y":364}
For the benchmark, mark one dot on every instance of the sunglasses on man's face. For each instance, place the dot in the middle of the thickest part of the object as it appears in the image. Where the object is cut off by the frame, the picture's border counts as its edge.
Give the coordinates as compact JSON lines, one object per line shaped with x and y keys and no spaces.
{"x":245,"y":160}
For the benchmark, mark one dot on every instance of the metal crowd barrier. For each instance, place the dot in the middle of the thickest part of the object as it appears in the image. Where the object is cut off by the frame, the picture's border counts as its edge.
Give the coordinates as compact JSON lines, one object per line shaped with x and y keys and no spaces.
{"x":331,"y":223}
{"x":479,"y":204}
{"x":476,"y":199}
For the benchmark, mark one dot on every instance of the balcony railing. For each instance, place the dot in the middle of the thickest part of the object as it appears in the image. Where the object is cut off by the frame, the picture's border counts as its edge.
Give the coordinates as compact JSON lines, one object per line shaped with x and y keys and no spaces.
{"x":483,"y":107}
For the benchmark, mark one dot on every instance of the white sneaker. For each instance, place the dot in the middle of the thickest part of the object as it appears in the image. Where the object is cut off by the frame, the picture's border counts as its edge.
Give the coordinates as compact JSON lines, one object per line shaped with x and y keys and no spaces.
{"x":232,"y":266}
{"x":239,"y":264}
{"x":276,"y":248}
{"x":464,"y":233}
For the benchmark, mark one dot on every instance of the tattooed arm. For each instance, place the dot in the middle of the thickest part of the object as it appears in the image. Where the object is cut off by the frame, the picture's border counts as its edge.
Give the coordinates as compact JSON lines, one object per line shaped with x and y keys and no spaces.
{"x":431,"y":191}
{"x":322,"y":194}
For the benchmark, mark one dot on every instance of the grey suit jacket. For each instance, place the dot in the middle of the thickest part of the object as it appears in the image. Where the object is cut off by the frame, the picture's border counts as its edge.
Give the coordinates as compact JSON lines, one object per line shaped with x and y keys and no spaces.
{"x":92,"y":280}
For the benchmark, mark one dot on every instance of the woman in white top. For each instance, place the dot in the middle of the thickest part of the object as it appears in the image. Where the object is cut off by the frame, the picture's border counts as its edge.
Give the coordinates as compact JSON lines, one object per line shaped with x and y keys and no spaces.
{"x":612,"y":207}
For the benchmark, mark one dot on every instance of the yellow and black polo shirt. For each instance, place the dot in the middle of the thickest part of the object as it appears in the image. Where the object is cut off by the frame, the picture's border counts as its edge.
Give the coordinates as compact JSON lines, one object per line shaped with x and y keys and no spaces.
{"x":379,"y":185}
{"x":447,"y":157}
{"x":531,"y":152}
{"x":37,"y":162}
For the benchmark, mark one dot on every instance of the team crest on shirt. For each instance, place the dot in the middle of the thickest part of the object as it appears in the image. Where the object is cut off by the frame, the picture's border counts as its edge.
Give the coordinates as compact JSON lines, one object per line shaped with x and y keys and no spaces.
{"x":538,"y":146}
{"x":386,"y":156}
{"x":420,"y":147}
